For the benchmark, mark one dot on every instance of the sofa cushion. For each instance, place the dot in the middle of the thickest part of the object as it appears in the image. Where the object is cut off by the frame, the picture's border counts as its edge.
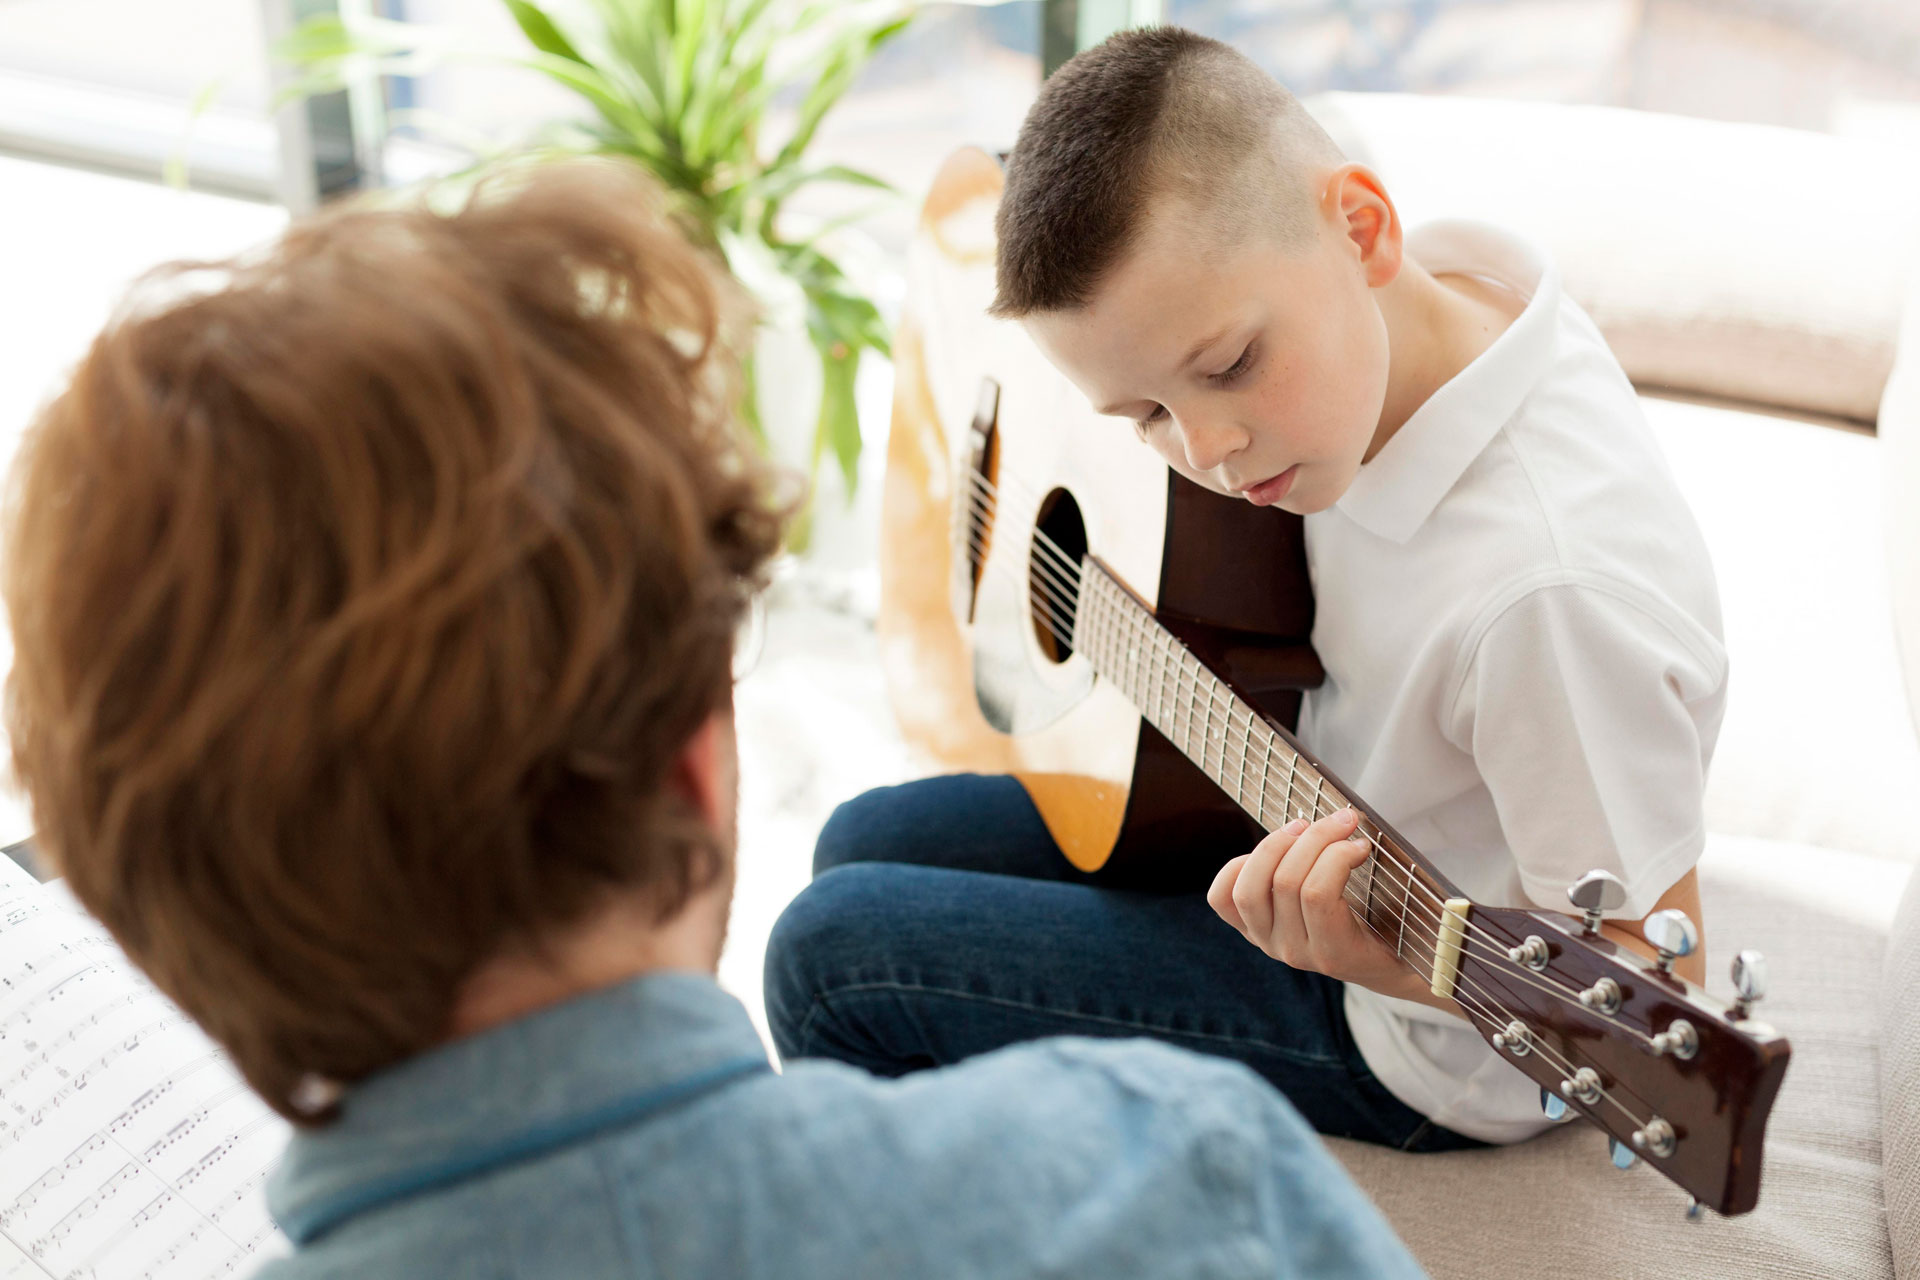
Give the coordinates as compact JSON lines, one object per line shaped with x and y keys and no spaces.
{"x":1900,"y":474}
{"x":1705,"y":250}
{"x":1817,"y":747}
{"x":1900,"y":1085}
{"x":1555,"y":1209}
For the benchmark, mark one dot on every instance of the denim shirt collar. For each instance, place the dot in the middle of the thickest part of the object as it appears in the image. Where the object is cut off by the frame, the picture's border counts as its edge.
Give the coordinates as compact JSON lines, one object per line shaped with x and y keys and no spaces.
{"x":557,"y":1076}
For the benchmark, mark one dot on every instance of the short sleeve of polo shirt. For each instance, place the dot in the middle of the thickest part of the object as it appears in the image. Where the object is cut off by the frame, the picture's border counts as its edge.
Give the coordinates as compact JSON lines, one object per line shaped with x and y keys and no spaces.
{"x":1591,"y":707}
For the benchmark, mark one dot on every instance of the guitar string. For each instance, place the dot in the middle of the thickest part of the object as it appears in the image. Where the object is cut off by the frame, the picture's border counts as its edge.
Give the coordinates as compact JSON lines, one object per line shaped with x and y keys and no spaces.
{"x":1490,"y":947}
{"x":1497,"y":957}
{"x":1495,"y":953}
{"x":1064,"y":575}
{"x":1056,"y":626}
{"x":1055,"y":607}
{"x":1480,"y":998}
{"x":1473,"y":996}
{"x":1060,"y":628}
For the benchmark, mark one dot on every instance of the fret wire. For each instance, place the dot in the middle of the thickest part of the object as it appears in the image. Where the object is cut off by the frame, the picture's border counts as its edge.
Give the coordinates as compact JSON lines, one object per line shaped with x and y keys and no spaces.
{"x":1266,"y":764}
{"x":1494,"y":950}
{"x":1103,"y":620}
{"x":1205,"y":713}
{"x":1226,"y":742}
{"x":1196,"y":728}
{"x":1408,"y":882}
{"x":1160,"y":674}
{"x":1187,"y":680}
{"x":1240,"y":787}
{"x":1291,"y":802}
{"x":1213,"y":689}
{"x":1175,"y":730}
{"x":1135,"y":672}
{"x":1160,"y":671}
{"x":1076,"y":570}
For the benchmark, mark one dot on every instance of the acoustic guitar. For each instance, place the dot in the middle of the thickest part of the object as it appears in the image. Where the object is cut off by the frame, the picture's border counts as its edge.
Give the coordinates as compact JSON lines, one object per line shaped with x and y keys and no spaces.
{"x":1058,"y":605}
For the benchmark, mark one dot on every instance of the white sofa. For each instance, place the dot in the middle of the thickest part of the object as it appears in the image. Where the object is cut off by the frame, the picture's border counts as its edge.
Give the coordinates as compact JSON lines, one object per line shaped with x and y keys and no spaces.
{"x":1772,"y":267}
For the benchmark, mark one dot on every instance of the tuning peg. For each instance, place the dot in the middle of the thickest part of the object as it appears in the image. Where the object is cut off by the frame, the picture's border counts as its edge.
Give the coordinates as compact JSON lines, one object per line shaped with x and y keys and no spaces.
{"x":1621,"y":1154}
{"x":1672,"y":935}
{"x":1595,"y":893}
{"x":1553,"y":1105}
{"x":1750,"y":981}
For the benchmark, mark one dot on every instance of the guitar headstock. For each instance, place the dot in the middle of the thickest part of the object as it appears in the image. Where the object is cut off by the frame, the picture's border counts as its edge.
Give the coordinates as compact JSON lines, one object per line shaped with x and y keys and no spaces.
{"x":1676,"y":1077}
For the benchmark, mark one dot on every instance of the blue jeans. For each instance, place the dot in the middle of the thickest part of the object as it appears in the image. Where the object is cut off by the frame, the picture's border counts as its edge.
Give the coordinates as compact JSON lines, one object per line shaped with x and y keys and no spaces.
{"x":944,"y":922}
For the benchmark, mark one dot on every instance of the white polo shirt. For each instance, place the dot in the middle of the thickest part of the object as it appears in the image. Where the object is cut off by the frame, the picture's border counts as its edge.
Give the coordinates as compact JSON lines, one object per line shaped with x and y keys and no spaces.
{"x":1521,"y":634}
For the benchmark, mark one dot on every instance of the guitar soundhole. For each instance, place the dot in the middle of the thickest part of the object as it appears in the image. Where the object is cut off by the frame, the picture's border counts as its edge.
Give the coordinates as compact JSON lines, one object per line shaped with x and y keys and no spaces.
{"x":1053,"y":572}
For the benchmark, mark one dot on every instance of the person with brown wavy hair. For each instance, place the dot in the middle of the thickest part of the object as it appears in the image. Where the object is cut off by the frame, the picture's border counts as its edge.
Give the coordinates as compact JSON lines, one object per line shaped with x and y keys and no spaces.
{"x":373,"y":599}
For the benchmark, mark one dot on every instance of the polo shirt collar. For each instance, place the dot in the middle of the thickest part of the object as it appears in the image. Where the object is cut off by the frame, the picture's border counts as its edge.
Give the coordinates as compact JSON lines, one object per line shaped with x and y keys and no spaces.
{"x":1393,"y":495}
{"x":517,"y":1091}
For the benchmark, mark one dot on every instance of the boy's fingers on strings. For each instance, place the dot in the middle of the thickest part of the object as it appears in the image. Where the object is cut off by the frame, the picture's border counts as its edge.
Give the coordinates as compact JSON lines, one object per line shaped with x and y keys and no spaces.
{"x":1252,"y":894}
{"x":1220,"y":893}
{"x":1323,"y":901}
{"x":1292,"y":938}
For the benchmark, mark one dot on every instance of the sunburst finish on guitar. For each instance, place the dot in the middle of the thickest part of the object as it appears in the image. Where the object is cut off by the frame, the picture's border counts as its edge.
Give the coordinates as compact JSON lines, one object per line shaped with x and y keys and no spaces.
{"x":1058,"y":605}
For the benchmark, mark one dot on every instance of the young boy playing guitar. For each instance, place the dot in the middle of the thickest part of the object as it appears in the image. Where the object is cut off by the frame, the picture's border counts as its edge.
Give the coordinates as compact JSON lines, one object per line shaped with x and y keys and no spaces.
{"x":1516,"y":612}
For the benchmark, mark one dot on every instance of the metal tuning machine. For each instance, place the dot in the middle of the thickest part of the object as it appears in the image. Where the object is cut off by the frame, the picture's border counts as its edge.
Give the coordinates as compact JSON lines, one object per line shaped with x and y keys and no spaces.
{"x":1673,"y":935}
{"x":1749,"y":982}
{"x":1596,"y":893}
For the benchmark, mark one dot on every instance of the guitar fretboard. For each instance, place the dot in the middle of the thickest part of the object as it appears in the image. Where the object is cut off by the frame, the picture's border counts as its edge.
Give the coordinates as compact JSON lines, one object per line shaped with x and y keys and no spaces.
{"x":1236,"y":746}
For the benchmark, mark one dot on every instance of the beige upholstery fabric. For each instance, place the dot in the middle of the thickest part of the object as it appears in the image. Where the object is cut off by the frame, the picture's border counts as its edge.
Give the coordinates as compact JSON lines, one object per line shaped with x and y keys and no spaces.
{"x":1900,"y":1086}
{"x":1900,"y":440}
{"x":1817,"y":747}
{"x":1709,"y":253}
{"x":1554,"y":1209}
{"x":1900,"y":1021}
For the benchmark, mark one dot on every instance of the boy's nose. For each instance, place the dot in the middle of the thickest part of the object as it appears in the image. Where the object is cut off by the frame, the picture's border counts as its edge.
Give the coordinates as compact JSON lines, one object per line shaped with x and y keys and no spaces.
{"x":1208,"y":444}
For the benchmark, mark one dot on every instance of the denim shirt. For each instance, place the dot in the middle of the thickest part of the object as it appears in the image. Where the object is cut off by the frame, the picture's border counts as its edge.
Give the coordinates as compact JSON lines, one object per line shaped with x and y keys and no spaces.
{"x":639,"y":1131}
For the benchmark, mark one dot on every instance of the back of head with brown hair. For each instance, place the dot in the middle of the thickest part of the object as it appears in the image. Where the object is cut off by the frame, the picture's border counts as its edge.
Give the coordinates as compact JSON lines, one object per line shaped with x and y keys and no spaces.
{"x":363,"y":593}
{"x":1147,"y":115}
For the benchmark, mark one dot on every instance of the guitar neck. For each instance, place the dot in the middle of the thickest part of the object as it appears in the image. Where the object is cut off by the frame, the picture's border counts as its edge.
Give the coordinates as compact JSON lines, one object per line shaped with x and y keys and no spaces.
{"x":1264,"y":768}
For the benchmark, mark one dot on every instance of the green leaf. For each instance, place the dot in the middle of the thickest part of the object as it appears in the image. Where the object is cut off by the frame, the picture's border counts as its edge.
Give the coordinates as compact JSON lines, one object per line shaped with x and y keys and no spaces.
{"x":327,"y":36}
{"x":622,"y":114}
{"x":794,"y":177}
{"x":842,"y":68}
{"x":750,"y":402}
{"x":541,"y":30}
{"x":839,"y":425}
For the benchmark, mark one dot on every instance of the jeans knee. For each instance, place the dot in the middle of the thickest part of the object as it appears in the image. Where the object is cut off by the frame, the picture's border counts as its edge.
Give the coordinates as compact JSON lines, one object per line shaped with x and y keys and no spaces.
{"x":816,"y":936}
{"x":848,"y":833}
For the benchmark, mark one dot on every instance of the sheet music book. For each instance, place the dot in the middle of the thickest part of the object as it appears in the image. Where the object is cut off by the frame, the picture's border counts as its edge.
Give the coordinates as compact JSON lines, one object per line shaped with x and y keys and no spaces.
{"x":130,"y":1149}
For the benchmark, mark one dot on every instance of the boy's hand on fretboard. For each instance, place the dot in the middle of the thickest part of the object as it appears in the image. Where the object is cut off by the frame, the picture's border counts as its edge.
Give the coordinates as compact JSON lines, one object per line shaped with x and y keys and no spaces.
{"x":1288,"y":897}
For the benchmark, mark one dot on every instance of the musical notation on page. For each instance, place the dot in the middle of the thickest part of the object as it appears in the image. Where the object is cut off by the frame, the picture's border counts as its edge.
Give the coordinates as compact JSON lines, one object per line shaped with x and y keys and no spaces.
{"x":129,"y":1147}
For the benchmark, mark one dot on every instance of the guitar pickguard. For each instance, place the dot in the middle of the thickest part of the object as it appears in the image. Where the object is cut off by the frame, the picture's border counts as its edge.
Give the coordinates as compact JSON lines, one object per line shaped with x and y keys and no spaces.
{"x":1019,"y":689}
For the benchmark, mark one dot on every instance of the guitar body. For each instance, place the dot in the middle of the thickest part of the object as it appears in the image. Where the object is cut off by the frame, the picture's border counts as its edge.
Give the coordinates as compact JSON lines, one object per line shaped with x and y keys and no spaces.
{"x":990,"y":444}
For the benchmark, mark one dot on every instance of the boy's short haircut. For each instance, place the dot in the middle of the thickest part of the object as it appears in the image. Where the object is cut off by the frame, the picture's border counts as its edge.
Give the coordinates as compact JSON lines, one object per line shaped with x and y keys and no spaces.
{"x":1149,"y":114}
{"x":364,"y":591}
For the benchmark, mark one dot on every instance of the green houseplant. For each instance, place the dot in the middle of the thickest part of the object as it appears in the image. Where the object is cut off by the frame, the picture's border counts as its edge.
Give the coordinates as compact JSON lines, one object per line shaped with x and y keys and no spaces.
{"x":688,"y":89}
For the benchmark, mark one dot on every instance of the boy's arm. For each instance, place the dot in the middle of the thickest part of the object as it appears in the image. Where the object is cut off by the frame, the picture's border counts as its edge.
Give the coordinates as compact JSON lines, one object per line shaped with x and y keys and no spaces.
{"x":1683,"y":896}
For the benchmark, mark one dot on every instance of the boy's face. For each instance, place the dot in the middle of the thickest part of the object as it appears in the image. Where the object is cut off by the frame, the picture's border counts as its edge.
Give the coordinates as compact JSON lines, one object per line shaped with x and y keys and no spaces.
{"x":1257,"y":371}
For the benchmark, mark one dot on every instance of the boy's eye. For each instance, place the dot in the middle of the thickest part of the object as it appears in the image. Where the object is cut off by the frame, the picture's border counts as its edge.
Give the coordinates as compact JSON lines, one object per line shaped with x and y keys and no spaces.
{"x":1144,"y":425}
{"x":1240,"y":366}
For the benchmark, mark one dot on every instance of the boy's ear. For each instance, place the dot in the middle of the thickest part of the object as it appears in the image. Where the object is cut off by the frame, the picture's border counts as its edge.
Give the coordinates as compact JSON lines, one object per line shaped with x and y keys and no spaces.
{"x":1356,"y":201}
